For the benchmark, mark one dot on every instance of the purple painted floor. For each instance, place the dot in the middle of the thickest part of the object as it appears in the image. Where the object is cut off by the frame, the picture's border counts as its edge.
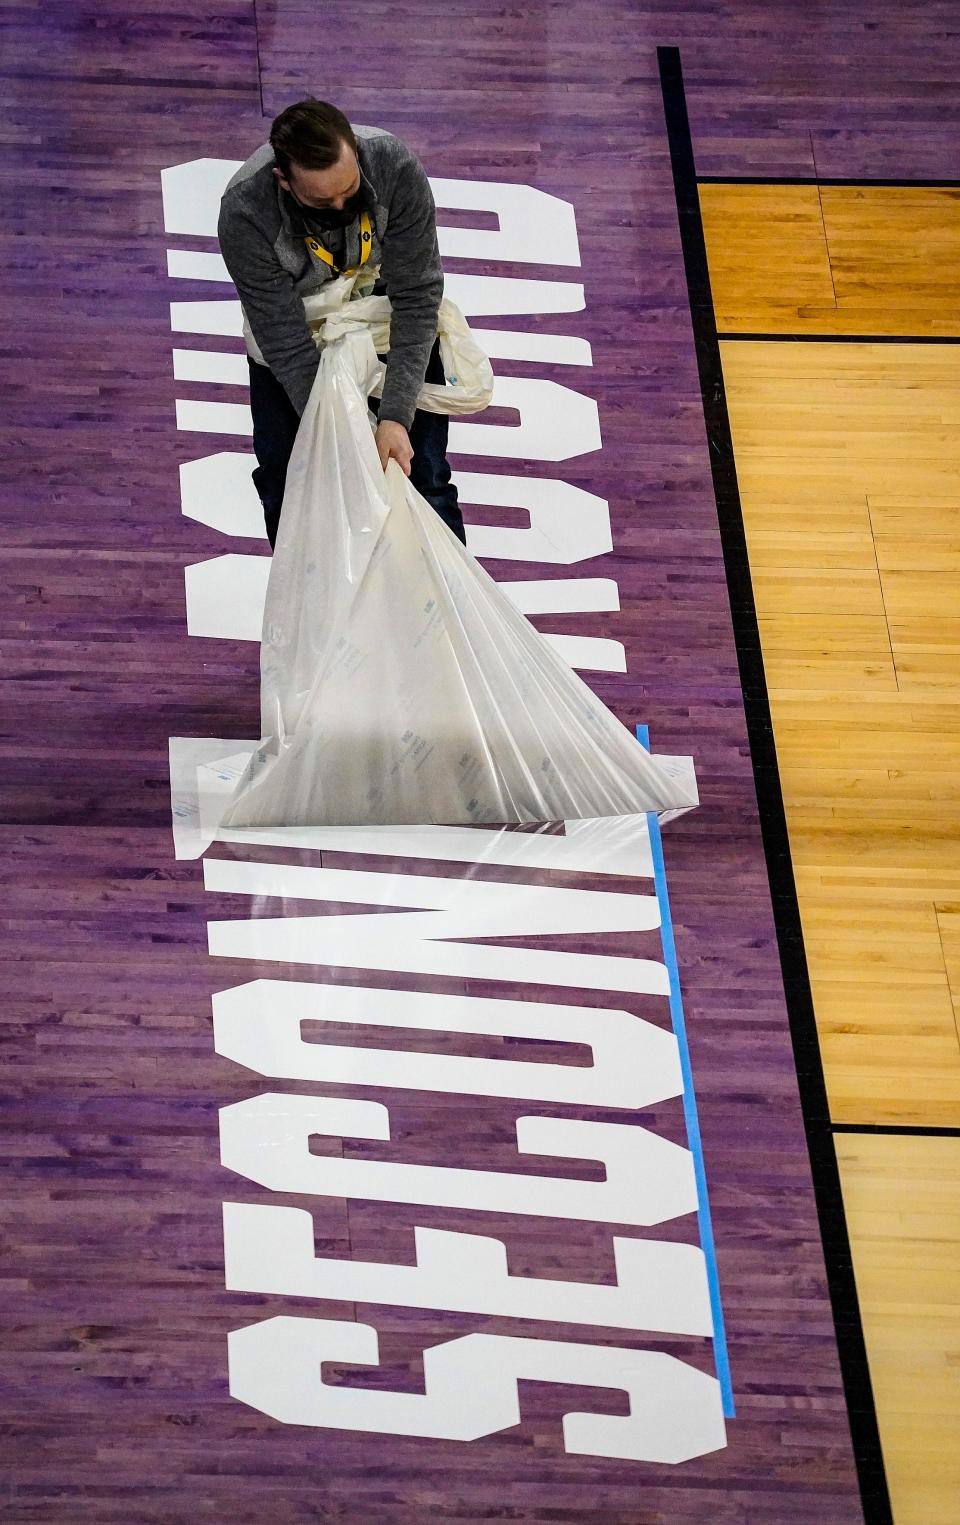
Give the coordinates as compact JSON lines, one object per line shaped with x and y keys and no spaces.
{"x":115,"y":1387}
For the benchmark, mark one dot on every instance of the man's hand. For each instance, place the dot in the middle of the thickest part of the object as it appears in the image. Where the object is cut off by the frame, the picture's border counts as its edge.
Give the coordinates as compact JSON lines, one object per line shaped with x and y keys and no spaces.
{"x":393,"y":442}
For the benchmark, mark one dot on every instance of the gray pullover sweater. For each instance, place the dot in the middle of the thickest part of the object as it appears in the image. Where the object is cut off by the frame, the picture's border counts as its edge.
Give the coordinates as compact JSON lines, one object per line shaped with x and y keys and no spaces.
{"x":263,"y":243}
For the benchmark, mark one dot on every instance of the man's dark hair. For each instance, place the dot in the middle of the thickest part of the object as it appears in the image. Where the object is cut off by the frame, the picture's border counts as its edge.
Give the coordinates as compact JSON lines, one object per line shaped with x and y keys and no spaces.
{"x":311,"y":133}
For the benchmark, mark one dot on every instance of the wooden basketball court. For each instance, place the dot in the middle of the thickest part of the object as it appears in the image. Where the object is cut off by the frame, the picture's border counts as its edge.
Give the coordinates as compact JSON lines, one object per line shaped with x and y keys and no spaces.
{"x":617,"y":1180}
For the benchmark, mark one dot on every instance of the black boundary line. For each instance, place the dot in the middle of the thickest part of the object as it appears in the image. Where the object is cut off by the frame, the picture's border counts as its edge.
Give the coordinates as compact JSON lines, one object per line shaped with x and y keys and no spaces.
{"x":851,"y":1348}
{"x":911,"y":1130}
{"x":843,"y":338}
{"x":921,"y":184}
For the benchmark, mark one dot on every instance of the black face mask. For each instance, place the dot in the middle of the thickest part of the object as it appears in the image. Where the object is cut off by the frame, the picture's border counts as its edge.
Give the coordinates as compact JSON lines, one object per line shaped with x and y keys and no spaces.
{"x":326,"y":218}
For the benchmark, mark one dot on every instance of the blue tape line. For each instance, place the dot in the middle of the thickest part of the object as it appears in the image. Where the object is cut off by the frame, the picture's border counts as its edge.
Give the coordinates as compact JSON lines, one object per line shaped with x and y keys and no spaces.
{"x":691,"y":1119}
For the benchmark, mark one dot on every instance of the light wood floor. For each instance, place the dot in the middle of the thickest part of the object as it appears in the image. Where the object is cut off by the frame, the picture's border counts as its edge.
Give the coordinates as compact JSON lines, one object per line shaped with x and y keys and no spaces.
{"x":828,"y":259}
{"x":901,"y":1196}
{"x":848,"y":463}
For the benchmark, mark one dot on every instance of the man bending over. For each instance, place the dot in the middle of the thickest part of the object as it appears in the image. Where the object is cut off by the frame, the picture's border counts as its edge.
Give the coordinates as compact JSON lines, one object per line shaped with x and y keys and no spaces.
{"x":323,"y":199}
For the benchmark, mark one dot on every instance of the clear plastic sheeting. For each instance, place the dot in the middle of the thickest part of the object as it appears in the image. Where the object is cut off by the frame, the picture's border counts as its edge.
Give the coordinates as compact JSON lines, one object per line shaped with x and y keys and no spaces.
{"x":468,"y":374}
{"x":399,"y":684}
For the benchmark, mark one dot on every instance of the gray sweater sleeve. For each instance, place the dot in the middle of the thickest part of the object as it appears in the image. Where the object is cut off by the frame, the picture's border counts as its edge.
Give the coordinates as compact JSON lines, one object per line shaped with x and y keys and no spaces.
{"x":274,"y":310}
{"x":411,"y":271}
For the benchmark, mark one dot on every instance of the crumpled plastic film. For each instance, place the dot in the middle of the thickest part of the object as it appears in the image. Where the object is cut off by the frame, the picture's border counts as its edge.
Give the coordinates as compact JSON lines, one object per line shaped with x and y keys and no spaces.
{"x":467,"y":371}
{"x":399,"y":684}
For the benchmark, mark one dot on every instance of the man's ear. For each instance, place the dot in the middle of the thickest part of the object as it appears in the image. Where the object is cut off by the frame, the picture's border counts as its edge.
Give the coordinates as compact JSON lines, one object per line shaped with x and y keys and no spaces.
{"x":278,"y":176}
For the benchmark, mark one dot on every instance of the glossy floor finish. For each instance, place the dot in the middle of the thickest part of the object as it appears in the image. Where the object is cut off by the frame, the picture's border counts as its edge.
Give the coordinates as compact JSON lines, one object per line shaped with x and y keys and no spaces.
{"x":901,"y":1195}
{"x":850,"y":504}
{"x":115,"y":1381}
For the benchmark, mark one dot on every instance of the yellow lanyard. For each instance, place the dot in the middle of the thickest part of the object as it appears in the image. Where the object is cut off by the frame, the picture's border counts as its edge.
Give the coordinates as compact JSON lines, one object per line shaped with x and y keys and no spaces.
{"x":366,"y":243}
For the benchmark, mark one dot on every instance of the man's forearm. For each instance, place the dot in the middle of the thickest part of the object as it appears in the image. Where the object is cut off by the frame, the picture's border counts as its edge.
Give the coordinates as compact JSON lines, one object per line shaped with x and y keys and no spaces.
{"x":273,"y":310}
{"x":413,"y":276}
{"x":295,"y":372}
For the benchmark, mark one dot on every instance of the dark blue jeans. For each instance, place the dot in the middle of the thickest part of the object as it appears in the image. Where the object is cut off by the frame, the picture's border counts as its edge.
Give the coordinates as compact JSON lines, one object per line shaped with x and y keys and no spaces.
{"x":275,"y":424}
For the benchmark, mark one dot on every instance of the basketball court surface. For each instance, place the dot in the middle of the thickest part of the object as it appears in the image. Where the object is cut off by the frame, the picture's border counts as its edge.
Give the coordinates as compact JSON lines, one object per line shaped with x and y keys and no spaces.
{"x":601,"y":1173}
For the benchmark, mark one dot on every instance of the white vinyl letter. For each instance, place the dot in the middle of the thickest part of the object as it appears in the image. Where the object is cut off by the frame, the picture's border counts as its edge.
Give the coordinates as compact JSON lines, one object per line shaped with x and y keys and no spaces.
{"x":428,"y":941}
{"x":649,"y":1179}
{"x":609,"y":844}
{"x":635,"y":1064}
{"x":471,"y":1388}
{"x":567,"y":524}
{"x":225,"y":597}
{"x":217,"y":490}
{"x":660,"y":1285}
{"x":556,"y":423}
{"x":191,"y":195}
{"x":534,"y":226}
